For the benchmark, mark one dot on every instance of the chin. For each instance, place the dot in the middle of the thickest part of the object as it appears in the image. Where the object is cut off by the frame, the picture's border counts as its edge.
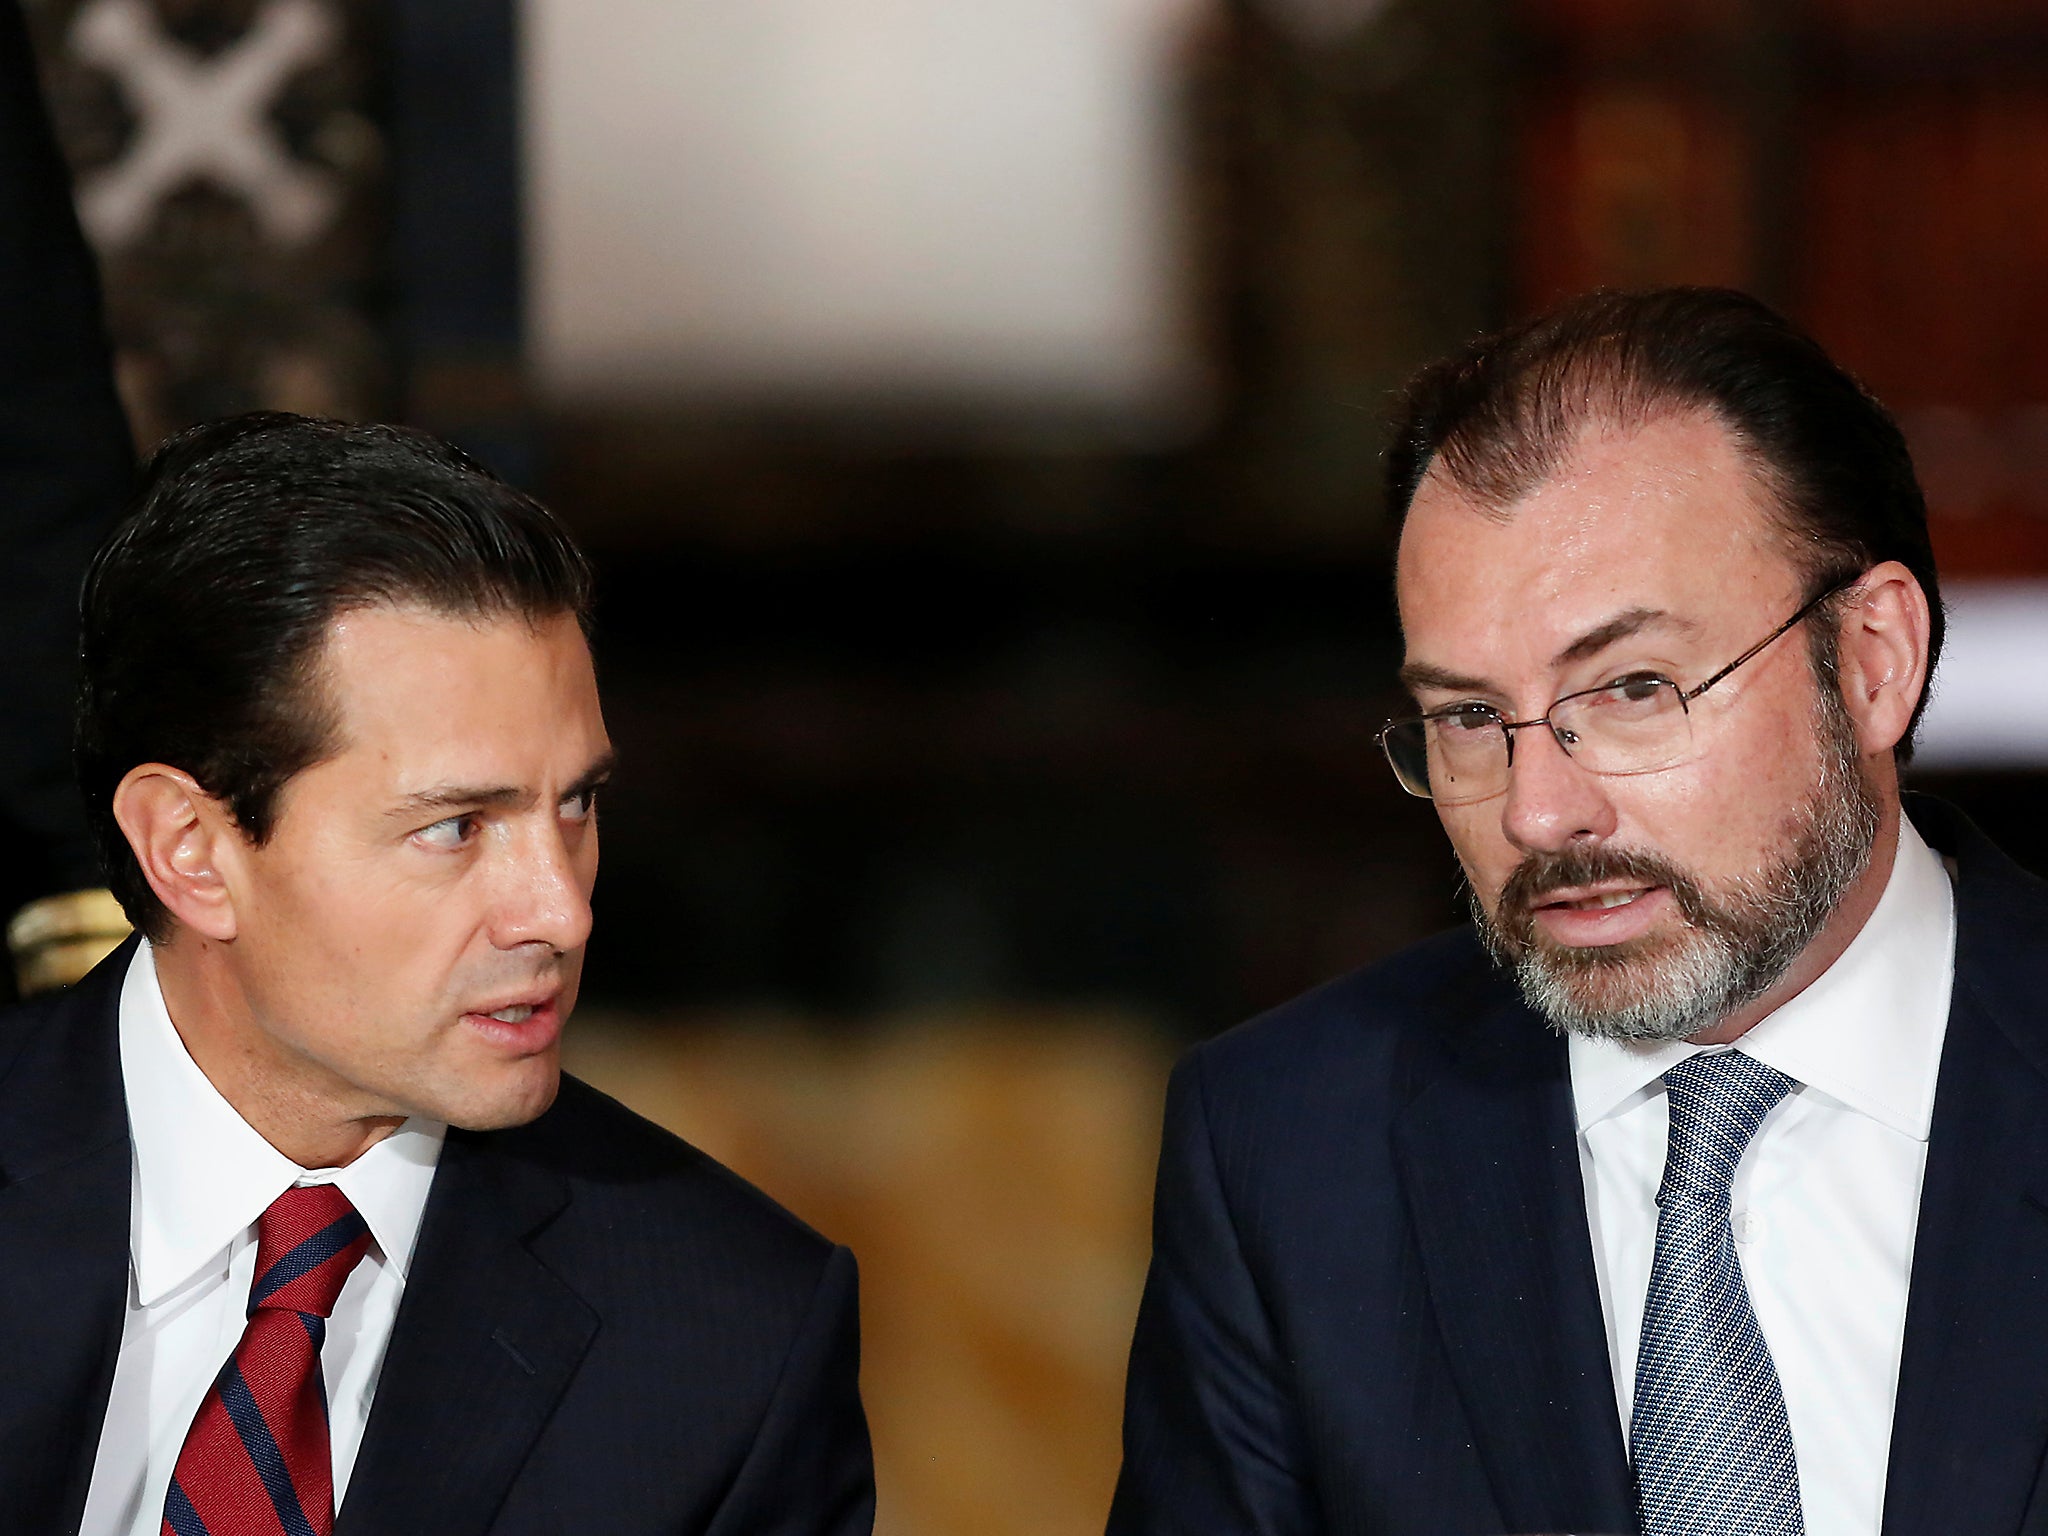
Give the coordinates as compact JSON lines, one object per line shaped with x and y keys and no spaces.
{"x":510,"y":1104}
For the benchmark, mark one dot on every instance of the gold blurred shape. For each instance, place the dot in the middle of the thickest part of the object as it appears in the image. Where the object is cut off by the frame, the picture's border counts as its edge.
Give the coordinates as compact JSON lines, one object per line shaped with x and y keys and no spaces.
{"x":992,"y":1174}
{"x":55,"y":940}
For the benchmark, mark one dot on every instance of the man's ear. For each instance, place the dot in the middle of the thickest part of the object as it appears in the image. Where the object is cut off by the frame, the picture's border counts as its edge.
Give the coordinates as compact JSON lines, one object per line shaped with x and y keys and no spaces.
{"x":1883,"y":652}
{"x":180,"y":837}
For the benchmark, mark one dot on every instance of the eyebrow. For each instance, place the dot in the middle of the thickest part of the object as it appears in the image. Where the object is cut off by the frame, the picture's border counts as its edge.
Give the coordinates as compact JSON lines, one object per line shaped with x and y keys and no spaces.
{"x":496,"y":797}
{"x":1418,"y":675}
{"x":1632,"y":621}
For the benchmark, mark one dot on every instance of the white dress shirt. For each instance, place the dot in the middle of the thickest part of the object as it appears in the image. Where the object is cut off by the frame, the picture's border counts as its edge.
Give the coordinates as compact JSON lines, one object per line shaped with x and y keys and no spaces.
{"x":1827,"y":1197}
{"x":202,"y":1175}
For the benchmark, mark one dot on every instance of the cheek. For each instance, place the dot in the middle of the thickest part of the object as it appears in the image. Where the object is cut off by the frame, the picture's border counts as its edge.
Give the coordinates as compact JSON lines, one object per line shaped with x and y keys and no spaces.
{"x":355,"y":942}
{"x":1482,"y":848}
{"x":1724,"y":810}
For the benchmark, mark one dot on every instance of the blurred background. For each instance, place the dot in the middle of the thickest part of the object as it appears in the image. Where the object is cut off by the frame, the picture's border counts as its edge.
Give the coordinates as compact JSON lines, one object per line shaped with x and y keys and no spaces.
{"x":974,"y":407}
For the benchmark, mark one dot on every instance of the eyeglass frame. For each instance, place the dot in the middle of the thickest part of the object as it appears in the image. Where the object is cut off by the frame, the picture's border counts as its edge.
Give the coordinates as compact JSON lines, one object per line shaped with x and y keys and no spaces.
{"x":1685,"y":697}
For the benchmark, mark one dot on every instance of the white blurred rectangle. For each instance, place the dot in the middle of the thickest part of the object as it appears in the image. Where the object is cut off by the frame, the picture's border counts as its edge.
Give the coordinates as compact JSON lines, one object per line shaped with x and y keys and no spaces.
{"x":948,"y":202}
{"x":1990,"y":704}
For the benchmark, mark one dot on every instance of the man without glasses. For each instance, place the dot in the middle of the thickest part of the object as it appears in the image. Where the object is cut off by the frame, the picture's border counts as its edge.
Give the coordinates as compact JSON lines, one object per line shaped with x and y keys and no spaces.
{"x":301,"y":1228}
{"x":1699,"y":1186}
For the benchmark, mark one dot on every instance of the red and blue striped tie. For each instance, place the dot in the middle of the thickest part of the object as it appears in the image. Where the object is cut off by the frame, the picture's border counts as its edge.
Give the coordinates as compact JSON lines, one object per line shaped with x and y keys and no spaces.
{"x":256,"y":1461}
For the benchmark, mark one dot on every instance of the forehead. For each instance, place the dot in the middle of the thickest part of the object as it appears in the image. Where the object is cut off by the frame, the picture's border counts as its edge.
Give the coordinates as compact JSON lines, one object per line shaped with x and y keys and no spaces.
{"x":427,"y":697}
{"x":1668,"y":515}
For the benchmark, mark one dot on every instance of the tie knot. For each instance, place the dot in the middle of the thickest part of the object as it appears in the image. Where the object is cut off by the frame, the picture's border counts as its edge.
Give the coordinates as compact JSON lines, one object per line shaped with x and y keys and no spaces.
{"x":307,"y":1242}
{"x":1717,"y":1102}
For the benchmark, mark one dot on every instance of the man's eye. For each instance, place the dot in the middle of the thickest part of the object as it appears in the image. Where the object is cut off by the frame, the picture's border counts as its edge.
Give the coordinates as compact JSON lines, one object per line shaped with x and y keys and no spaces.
{"x":1639,"y":687}
{"x":1466,"y":717}
{"x":580,"y":807}
{"x":450,"y":833}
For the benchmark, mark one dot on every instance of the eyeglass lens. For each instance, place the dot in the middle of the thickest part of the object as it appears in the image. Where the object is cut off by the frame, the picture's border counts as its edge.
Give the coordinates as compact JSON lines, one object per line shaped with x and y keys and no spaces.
{"x":1634,"y":725}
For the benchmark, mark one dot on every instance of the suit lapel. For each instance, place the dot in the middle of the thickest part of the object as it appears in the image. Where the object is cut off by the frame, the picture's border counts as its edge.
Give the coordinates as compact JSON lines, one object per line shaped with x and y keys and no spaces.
{"x":486,"y":1340}
{"x":64,"y":1193}
{"x":1971,"y":1420}
{"x":1489,"y":1164}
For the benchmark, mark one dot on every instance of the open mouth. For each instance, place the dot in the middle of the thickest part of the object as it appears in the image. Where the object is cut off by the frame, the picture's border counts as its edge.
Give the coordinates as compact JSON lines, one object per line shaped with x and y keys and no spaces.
{"x":523,"y":1027}
{"x":1600,"y":901}
{"x":1589,"y":899}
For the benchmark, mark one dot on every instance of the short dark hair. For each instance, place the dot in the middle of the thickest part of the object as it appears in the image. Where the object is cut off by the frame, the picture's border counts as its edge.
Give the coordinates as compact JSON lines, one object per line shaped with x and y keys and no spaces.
{"x":1501,"y":416}
{"x":205,"y":613}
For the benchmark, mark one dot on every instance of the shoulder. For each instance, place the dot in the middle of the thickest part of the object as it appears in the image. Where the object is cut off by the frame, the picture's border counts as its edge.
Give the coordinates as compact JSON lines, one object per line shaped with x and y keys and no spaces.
{"x":2001,"y":914}
{"x":1307,"y":1097}
{"x":65,"y":1040}
{"x":41,"y":1026}
{"x":1283,"y":1138}
{"x":643,"y":1198}
{"x":1367,"y":1031}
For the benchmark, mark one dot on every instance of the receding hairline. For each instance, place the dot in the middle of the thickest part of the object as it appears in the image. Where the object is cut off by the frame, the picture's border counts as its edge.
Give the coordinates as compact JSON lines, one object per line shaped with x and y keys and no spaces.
{"x":1497,"y":495}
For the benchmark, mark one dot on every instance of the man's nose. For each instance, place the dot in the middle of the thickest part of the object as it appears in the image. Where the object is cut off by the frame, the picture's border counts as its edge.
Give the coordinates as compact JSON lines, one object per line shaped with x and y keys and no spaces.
{"x":1552,"y":802}
{"x":544,"y":897}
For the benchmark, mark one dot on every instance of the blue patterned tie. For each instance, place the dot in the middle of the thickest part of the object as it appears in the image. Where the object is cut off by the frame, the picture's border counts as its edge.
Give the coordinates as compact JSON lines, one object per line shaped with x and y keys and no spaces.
{"x":1711,"y":1444}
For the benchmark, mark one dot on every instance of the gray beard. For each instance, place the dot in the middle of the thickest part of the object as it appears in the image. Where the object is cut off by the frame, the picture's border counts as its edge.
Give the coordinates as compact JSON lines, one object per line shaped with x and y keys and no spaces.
{"x":1737,"y":943}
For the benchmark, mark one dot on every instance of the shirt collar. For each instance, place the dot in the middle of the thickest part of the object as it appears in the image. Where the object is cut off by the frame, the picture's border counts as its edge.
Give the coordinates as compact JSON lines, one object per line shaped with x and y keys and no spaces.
{"x":1867,"y":1032}
{"x":203,"y":1174}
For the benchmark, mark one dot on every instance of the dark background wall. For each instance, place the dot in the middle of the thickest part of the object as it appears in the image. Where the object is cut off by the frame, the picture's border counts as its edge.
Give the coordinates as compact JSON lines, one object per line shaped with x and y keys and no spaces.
{"x":912,"y":724}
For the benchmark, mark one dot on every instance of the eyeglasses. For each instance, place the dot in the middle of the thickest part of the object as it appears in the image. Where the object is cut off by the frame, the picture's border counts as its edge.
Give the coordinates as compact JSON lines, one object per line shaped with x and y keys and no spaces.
{"x":1638,"y":723}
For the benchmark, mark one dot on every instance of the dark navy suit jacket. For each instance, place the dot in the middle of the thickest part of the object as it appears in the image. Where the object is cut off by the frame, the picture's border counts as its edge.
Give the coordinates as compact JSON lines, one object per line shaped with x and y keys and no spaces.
{"x":1372,"y":1305}
{"x":602,"y":1330}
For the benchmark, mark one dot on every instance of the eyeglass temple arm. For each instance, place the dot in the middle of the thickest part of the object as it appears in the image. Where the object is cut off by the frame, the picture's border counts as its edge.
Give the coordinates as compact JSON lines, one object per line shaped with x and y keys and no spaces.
{"x":1764,"y":644}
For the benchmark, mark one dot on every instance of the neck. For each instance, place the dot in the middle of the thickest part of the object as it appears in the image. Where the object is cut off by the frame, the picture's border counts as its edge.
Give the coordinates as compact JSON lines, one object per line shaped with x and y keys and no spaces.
{"x":292,"y":1101}
{"x":1846,"y":921}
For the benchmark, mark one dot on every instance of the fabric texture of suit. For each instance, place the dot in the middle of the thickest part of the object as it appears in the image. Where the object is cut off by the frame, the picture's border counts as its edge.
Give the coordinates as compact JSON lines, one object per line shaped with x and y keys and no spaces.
{"x":1372,"y":1306}
{"x":65,"y":466}
{"x":602,"y":1329}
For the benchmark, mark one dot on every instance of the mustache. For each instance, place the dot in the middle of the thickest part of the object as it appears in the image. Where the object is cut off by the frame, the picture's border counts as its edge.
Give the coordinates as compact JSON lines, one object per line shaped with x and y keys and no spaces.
{"x":1542,"y":874}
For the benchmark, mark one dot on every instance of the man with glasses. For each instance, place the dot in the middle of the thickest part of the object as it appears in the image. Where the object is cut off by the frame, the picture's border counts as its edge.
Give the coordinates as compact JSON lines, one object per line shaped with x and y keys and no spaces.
{"x":1701,"y":1184}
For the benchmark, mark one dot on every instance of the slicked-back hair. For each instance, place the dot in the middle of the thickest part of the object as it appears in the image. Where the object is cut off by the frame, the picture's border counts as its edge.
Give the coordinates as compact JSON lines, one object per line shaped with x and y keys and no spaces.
{"x":205,"y":614}
{"x":1502,"y":416}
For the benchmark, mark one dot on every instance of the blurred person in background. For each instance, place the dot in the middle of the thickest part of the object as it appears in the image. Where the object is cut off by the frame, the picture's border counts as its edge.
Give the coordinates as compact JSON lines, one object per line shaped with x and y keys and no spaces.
{"x":299,"y":1214}
{"x":1698,"y":1185}
{"x":65,"y":467}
